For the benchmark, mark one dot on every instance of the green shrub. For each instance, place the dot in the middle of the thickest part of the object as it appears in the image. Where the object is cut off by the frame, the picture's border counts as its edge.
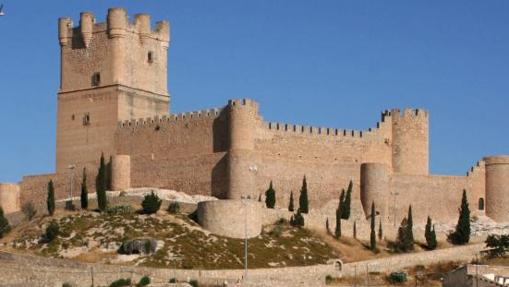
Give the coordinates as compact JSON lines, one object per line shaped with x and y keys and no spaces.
{"x":101,"y":185}
{"x":50,"y":201}
{"x":52,"y":231}
{"x":144,"y":281}
{"x":297,"y":220}
{"x":29,"y":210}
{"x":430,"y":235}
{"x":151,"y":203}
{"x":174,"y":207}
{"x":84,"y":191}
{"x":270,"y":197}
{"x":121,"y":282}
{"x":303,"y":198}
{"x":4,"y":224}
{"x":462,"y":233}
{"x":397,"y":277}
{"x":194,"y":283}
{"x":329,"y":279}
{"x":498,"y":244}
{"x":120,"y":209}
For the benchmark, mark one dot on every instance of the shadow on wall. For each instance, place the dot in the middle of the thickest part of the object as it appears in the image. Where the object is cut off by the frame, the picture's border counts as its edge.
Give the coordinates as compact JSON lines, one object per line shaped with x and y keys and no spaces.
{"x":218,"y":180}
{"x":220,"y":132}
{"x":218,"y":177}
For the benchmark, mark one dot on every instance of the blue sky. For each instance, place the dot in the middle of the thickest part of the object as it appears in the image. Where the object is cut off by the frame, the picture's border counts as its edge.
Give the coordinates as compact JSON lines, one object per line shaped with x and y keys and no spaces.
{"x":324,"y":63}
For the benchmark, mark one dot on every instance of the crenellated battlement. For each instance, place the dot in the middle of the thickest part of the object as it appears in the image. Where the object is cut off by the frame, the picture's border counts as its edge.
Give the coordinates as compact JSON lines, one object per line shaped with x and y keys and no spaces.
{"x":171,"y":118}
{"x":397,"y":114}
{"x":327,"y":131}
{"x":478,"y":167}
{"x":117,"y":25}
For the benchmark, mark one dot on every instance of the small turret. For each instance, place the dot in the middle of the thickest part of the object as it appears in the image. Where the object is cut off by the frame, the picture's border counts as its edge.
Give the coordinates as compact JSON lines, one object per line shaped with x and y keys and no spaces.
{"x":64,"y":26}
{"x":117,"y":22}
{"x":142,"y":24}
{"x":87,"y":21}
{"x":410,"y":141}
{"x":497,"y":187}
{"x":163,"y":31}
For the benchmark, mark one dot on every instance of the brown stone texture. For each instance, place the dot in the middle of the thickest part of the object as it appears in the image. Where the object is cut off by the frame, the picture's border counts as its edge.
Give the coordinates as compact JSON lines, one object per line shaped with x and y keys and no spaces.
{"x":232,"y":218}
{"x":497,"y":188}
{"x":232,"y":151}
{"x":9,"y":197}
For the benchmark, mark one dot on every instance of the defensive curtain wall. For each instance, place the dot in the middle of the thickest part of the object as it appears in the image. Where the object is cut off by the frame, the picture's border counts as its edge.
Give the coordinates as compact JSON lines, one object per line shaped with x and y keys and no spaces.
{"x":113,"y":99}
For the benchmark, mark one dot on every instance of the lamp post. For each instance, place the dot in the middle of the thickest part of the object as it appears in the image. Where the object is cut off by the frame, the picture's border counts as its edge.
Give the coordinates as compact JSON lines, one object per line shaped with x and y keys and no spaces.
{"x":71,"y":183}
{"x":394,"y":194}
{"x":244,"y":202}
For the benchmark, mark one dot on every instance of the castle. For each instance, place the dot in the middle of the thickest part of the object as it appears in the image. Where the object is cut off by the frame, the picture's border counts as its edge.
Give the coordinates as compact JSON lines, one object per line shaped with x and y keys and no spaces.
{"x":114,"y":99}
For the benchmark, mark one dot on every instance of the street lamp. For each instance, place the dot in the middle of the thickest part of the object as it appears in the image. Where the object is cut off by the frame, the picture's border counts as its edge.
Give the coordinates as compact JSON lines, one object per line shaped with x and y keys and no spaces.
{"x":71,"y":168}
{"x":244,"y":202}
{"x":394,"y":194}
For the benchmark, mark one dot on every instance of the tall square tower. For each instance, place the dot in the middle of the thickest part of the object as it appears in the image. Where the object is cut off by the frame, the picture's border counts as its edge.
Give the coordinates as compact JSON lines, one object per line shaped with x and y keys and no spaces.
{"x":110,"y":71}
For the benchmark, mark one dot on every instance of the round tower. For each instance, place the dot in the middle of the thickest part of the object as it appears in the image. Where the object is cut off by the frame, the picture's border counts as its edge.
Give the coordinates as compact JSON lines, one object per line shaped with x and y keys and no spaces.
{"x":375,"y":187}
{"x":241,"y":166}
{"x":9,"y":197}
{"x":410,"y":141}
{"x":86,"y":27}
{"x":64,"y":30}
{"x":142,"y":23}
{"x":497,"y":187}
{"x":117,"y":26}
{"x":120,"y":172}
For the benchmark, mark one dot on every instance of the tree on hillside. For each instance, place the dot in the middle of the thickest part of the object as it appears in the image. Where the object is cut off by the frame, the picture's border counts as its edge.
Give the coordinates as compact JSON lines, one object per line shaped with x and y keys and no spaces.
{"x":4,"y":224}
{"x":327,"y":227}
{"x":297,"y":219}
{"x":101,"y":185}
{"x":342,"y":201}
{"x":84,"y":191}
{"x":498,"y":245}
{"x":291,"y":207}
{"x":347,"y":202}
{"x":303,"y":198}
{"x":355,"y":229}
{"x":270,"y":196}
{"x":410,"y":225}
{"x":430,"y":235}
{"x":462,"y":233}
{"x":50,"y":201}
{"x":404,"y":242}
{"x":337,"y":232}
{"x":380,"y":231}
{"x":372,"y":237}
{"x":151,"y":203}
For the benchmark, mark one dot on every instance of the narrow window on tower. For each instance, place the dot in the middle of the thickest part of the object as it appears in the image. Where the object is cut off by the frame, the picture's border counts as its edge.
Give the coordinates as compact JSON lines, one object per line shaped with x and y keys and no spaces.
{"x":96,"y":79}
{"x":150,"y":57}
{"x":86,"y":119}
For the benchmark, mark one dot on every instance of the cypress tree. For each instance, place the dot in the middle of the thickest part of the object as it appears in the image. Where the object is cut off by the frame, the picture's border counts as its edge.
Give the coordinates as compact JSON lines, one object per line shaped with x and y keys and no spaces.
{"x":303,"y":198}
{"x":50,"y":201}
{"x":410,"y":225}
{"x":462,"y":233}
{"x":430,"y":235}
{"x":101,"y":185}
{"x":342,"y":201}
{"x":4,"y":224}
{"x":347,"y":201}
{"x":404,"y":242}
{"x":372,"y":238}
{"x":327,"y":227}
{"x":84,"y":191}
{"x":290,"y":205}
{"x":337,"y":231}
{"x":380,"y":231}
{"x":355,"y":229}
{"x":270,"y":197}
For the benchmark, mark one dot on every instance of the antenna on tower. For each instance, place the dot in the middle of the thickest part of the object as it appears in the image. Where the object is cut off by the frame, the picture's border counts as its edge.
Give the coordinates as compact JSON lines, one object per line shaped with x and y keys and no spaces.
{"x":2,"y":10}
